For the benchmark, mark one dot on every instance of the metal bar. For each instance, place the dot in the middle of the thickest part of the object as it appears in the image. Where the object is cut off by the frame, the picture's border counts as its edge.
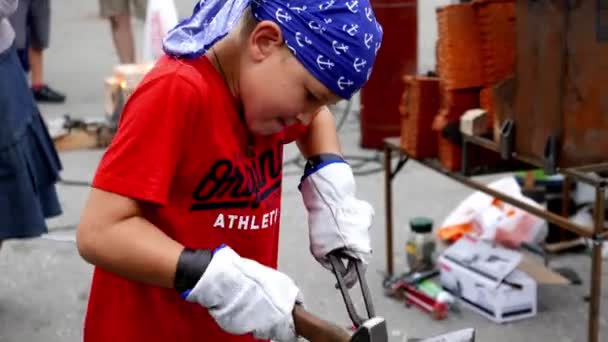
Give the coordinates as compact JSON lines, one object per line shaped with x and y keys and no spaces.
{"x":537,"y":163}
{"x":388,"y":199}
{"x":566,"y":192}
{"x":551,"y":217}
{"x":596,"y":267}
{"x":400,"y":163}
{"x":577,"y":172}
{"x":583,"y":177}
{"x":592,"y":168}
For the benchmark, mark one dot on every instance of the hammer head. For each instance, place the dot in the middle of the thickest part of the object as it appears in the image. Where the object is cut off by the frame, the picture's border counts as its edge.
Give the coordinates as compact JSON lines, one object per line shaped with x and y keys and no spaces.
{"x":372,"y":330}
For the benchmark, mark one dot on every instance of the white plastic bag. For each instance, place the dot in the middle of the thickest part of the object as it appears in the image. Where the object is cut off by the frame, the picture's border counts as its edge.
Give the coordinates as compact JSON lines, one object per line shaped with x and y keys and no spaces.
{"x":494,"y":220}
{"x":161,"y":16}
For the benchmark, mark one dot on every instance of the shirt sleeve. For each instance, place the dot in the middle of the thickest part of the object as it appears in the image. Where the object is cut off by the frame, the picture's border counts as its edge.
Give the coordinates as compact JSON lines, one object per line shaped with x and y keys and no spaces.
{"x":144,"y":154}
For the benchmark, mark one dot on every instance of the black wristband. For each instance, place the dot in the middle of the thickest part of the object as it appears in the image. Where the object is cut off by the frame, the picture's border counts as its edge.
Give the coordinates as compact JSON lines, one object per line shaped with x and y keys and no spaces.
{"x":191,"y":266}
{"x":319,"y":159}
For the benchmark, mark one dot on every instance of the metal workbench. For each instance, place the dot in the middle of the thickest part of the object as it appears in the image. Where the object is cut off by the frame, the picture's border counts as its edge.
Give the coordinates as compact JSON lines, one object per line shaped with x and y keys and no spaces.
{"x":596,"y":234}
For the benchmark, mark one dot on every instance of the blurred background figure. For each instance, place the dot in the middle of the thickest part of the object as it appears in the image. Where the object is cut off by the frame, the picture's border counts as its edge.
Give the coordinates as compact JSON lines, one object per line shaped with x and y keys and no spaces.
{"x":29,"y":165}
{"x":31,"y":22}
{"x":119,"y":14}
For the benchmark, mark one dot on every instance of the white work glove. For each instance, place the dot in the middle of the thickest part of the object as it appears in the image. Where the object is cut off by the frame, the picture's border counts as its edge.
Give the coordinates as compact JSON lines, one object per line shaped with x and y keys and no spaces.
{"x":244,"y":296}
{"x":336,"y":218}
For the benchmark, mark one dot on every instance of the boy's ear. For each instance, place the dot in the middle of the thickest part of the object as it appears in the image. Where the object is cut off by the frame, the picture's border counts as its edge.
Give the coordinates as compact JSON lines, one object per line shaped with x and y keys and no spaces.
{"x":265,"y":39}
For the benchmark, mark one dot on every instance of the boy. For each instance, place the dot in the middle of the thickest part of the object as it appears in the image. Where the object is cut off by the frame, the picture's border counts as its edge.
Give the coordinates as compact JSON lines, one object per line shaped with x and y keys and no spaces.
{"x":186,"y":202}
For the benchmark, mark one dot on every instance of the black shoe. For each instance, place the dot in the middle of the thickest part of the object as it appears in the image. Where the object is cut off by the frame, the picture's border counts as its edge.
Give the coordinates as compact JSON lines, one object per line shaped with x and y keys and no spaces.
{"x":46,"y":94}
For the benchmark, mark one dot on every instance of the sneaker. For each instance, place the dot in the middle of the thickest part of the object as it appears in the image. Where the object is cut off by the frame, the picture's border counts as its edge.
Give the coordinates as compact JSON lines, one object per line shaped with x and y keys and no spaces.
{"x":46,"y":94}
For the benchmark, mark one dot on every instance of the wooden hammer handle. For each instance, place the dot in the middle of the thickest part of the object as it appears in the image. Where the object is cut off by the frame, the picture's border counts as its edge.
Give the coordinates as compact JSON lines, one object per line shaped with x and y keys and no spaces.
{"x":315,"y":329}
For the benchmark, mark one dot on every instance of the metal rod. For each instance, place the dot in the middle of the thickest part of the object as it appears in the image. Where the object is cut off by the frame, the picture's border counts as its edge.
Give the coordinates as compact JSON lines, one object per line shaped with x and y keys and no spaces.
{"x":551,"y":217}
{"x":596,"y":267}
{"x":483,"y":142}
{"x":566,"y":192}
{"x":592,"y":180}
{"x":566,"y":195}
{"x":600,"y":207}
{"x":388,"y":199}
{"x":592,"y":168}
{"x":577,"y":172}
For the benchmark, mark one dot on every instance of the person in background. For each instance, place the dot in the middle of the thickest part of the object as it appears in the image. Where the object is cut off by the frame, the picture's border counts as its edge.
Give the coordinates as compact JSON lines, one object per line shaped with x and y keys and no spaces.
{"x":119,"y":14}
{"x":29,"y":165}
{"x":32,"y":25}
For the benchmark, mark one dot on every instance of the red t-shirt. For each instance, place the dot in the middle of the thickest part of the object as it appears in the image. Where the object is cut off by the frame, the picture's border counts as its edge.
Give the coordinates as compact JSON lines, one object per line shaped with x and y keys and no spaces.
{"x":182,"y":150}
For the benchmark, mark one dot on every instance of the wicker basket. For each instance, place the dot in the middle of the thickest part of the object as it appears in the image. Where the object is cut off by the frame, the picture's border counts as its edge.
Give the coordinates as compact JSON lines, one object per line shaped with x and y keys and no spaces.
{"x":496,"y":21}
{"x":419,"y":105}
{"x":459,"y":47}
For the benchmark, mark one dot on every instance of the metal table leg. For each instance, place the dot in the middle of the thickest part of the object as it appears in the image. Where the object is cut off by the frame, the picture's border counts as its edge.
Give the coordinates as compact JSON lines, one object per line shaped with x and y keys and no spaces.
{"x":596,"y":268}
{"x":389,"y":174}
{"x":388,"y":201}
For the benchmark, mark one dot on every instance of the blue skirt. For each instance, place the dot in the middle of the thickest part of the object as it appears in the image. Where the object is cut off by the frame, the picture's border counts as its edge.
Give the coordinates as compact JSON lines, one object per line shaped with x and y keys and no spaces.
{"x":29,"y":165}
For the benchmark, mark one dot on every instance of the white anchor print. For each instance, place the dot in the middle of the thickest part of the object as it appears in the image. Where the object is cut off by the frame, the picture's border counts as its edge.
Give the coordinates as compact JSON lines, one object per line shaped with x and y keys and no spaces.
{"x":291,"y":48}
{"x":359,"y":63}
{"x":377,"y":48}
{"x":344,"y":82}
{"x":316,"y":27}
{"x":352,"y":6}
{"x":368,"y":40}
{"x":297,"y":9}
{"x":369,"y":74}
{"x":300,"y":37}
{"x":339,"y":47}
{"x":328,"y":20}
{"x":327,"y":5}
{"x":352,"y":30}
{"x":282,"y":15}
{"x":324,"y":63}
{"x":368,"y":14}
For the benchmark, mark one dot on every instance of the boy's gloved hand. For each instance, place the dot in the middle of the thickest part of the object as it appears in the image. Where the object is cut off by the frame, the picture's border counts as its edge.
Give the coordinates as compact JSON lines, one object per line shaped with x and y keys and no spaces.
{"x":244,"y":296}
{"x":336,"y":218}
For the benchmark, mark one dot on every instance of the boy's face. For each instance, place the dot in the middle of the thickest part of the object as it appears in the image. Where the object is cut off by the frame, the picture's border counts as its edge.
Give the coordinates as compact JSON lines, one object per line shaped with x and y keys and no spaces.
{"x":276,"y":89}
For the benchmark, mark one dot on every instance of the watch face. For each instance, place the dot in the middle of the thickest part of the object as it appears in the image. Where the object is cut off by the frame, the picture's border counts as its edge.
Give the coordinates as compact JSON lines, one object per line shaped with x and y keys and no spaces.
{"x":602,"y":21}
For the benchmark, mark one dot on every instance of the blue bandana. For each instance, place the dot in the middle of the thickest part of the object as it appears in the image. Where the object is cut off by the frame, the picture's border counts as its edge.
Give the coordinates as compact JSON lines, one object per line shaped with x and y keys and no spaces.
{"x":336,"y":40}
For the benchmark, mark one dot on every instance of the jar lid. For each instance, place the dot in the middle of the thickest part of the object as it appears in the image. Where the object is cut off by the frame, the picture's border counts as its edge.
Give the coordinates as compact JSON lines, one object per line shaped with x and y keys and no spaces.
{"x":421,"y":225}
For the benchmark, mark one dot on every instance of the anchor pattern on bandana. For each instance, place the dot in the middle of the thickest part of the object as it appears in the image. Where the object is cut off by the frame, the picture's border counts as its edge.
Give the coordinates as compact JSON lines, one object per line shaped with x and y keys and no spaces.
{"x":336,"y":40}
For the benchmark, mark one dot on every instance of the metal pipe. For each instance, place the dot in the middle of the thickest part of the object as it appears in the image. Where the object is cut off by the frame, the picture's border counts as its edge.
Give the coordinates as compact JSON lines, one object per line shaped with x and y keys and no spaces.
{"x":592,"y":168}
{"x":583,"y":177}
{"x":596,"y":267}
{"x":388,"y":199}
{"x":566,"y":192}
{"x":578,"y":172}
{"x":483,"y":142}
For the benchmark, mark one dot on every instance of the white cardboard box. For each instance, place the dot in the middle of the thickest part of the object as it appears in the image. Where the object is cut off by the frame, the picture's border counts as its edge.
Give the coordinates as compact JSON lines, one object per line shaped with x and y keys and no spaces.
{"x":497,"y":293}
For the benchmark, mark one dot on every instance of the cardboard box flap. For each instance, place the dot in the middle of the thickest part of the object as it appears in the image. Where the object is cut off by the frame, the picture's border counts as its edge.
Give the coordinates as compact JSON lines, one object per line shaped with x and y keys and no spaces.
{"x":490,"y":261}
{"x":539,"y":272}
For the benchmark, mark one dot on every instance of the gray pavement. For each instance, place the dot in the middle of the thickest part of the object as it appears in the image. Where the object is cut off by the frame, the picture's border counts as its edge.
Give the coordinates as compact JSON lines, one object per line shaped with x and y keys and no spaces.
{"x":44,"y":284}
